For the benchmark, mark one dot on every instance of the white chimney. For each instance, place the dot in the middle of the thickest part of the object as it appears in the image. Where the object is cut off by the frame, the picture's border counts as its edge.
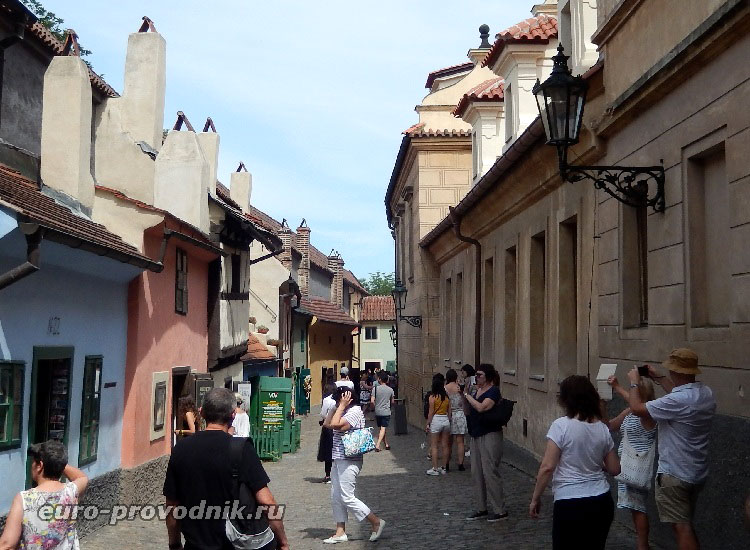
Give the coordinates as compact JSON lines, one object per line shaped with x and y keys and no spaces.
{"x":128,"y":129}
{"x":181,"y":179}
{"x":144,"y":88}
{"x":241,"y":187}
{"x":66,"y":130}
{"x":209,"y":142}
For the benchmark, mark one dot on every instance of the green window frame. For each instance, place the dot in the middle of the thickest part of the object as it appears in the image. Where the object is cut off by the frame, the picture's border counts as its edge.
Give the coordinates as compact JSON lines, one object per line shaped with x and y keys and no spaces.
{"x":11,"y":403}
{"x":181,"y":282}
{"x":88,"y":442}
{"x":302,"y":340}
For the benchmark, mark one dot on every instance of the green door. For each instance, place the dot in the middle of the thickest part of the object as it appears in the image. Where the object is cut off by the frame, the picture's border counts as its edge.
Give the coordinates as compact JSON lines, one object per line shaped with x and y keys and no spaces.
{"x":303,"y":386}
{"x":49,"y":414}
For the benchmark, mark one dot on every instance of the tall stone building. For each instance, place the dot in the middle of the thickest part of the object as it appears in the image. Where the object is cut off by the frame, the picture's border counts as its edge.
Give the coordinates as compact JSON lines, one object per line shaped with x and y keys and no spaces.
{"x":546,"y":278}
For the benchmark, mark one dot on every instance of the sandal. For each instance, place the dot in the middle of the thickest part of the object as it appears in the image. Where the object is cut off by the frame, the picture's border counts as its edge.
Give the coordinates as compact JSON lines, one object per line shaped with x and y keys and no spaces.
{"x":387,"y":447}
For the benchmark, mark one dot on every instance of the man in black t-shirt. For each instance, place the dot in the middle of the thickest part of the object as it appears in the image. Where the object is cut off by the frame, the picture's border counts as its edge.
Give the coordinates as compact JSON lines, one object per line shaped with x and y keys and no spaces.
{"x":199,"y":476}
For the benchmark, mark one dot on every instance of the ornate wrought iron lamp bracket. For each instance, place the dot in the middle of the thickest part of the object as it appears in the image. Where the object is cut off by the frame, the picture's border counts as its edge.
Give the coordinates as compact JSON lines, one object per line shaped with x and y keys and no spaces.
{"x":413,"y":320}
{"x":637,"y":186}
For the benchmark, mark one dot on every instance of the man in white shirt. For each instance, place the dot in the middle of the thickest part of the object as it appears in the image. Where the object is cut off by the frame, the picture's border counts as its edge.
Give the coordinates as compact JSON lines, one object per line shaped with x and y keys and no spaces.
{"x":684,"y":417}
{"x":344,"y":381}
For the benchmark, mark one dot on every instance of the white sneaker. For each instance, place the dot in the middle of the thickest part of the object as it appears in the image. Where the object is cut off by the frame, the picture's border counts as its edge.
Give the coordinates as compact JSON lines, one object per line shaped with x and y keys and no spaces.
{"x":442,"y":471}
{"x":335,"y":539}
{"x":467,"y":453}
{"x":376,"y":535}
{"x":433,"y":472}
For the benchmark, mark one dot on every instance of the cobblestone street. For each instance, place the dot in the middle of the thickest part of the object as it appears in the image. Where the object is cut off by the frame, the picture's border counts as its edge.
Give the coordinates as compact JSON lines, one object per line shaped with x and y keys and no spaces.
{"x":420,"y":510}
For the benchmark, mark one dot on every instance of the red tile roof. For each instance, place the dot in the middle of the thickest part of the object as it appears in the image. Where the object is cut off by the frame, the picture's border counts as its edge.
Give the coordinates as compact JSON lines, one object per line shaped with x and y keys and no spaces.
{"x":23,"y":196}
{"x":447,"y":71}
{"x":378,"y":308}
{"x":326,"y":311}
{"x":411,"y":130}
{"x":45,"y":36}
{"x":256,"y":350}
{"x":448,"y":132}
{"x":489,"y":90}
{"x":534,"y":30}
{"x":352,"y":280}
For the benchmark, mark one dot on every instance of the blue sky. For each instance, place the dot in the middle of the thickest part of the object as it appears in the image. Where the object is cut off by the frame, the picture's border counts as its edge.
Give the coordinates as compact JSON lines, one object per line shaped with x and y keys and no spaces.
{"x":312,"y":96}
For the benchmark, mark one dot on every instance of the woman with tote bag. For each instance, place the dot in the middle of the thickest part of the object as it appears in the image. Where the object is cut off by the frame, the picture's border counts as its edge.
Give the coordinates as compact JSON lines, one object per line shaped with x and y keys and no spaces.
{"x":637,"y":447}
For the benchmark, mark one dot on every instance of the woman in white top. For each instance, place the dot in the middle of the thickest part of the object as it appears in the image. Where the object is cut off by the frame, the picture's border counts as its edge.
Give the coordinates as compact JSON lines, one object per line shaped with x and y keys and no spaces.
{"x":641,"y":433}
{"x":29,"y":523}
{"x":347,"y":416}
{"x":241,"y":423}
{"x":325,"y":445}
{"x":579,"y":451}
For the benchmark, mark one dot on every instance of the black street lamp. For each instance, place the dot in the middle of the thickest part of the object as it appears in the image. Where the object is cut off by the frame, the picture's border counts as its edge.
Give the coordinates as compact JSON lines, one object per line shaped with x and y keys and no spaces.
{"x":394,"y":336}
{"x":561,"y":100}
{"x":399,"y":300}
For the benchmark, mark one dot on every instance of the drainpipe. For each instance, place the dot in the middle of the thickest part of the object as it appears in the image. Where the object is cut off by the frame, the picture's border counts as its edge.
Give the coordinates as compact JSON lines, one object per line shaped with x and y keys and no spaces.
{"x":456,"y":223}
{"x":34,"y":235}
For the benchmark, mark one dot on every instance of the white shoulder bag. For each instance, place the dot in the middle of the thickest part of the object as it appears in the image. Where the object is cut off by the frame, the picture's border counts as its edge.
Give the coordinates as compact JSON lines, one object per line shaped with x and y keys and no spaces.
{"x":636,"y":469}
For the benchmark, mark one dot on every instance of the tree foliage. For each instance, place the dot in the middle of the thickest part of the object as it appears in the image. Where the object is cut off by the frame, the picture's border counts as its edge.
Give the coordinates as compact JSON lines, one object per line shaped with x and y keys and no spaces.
{"x":378,"y":283}
{"x":55,"y":24}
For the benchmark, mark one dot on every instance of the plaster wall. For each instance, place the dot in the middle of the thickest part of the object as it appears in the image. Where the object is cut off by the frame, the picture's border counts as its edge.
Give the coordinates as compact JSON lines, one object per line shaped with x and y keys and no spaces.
{"x":23,"y":79}
{"x":320,"y":283}
{"x":381,"y":349}
{"x":123,"y":218}
{"x":265,"y":279}
{"x":645,"y":37}
{"x":703,"y":113}
{"x":330,"y":344}
{"x":89,"y":296}
{"x":159,"y":339}
{"x":181,"y":179}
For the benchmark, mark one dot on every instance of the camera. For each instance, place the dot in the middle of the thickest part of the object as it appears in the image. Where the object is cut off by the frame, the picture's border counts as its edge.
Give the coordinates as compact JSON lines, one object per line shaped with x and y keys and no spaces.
{"x":643,"y":370}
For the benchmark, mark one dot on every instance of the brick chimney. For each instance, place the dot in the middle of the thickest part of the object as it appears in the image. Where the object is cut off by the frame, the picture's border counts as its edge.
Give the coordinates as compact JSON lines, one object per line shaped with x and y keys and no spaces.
{"x":128,"y":129}
{"x":241,"y":186}
{"x":209,"y":142}
{"x":303,"y":245}
{"x":336,"y":266}
{"x":181,"y":179}
{"x":66,"y":130}
{"x":285,"y":234}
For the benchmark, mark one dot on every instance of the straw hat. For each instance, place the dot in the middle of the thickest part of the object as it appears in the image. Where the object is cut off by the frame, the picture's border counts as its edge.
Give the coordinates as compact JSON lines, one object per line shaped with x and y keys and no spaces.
{"x":682,"y":360}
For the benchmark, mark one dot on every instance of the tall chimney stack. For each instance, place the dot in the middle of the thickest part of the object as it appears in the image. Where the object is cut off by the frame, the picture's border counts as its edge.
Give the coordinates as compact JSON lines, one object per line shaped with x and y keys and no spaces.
{"x":303,"y":245}
{"x":66,"y":130}
{"x":209,"y":141}
{"x":241,"y":186}
{"x":336,"y":266}
{"x":181,"y":179}
{"x":286,"y":246}
{"x":145,"y":85}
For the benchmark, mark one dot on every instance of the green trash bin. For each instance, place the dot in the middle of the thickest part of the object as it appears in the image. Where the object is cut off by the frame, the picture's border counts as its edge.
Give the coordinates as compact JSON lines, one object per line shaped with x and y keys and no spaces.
{"x":271,"y":405}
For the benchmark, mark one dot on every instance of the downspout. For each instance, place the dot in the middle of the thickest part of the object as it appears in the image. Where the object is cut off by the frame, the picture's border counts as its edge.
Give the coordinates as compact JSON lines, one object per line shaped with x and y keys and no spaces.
{"x":32,"y":263}
{"x":456,"y":223}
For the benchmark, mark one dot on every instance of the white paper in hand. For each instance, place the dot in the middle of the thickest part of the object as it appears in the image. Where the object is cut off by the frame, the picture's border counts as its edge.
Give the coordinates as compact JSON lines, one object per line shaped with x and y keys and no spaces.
{"x":605,"y":371}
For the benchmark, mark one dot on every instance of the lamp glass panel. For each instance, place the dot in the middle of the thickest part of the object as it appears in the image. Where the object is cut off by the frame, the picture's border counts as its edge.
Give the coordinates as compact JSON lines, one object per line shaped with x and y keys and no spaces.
{"x":542,"y":106}
{"x":577,"y":96}
{"x":557,"y":107}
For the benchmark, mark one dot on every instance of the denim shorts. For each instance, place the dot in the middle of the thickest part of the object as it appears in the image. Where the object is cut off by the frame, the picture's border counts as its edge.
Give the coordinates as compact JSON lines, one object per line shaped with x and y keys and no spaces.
{"x":382,"y":421}
{"x":440,"y":423}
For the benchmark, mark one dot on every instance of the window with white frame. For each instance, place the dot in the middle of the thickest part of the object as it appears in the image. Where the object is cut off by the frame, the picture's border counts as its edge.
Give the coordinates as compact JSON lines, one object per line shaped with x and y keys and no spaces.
{"x":371,"y":333}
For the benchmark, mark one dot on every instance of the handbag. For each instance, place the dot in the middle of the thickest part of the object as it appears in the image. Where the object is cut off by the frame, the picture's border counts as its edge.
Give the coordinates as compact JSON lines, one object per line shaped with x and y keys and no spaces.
{"x":499,"y":415}
{"x":636,"y":469}
{"x":358,"y":442}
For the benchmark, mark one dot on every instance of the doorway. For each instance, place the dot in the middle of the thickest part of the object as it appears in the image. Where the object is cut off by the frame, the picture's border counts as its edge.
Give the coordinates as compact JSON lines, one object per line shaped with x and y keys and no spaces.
{"x":180,"y":388}
{"x":49,"y":415}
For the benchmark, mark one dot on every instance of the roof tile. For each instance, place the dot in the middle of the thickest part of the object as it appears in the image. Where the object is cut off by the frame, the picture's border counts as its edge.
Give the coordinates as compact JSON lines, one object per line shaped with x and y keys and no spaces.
{"x":25,"y":197}
{"x":534,"y":30}
{"x":257,"y":350}
{"x":489,"y":90}
{"x":378,"y":308}
{"x":326,"y":311}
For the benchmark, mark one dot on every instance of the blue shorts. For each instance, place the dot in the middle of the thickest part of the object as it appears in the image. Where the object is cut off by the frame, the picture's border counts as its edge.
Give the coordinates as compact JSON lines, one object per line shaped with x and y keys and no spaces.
{"x":382,"y":421}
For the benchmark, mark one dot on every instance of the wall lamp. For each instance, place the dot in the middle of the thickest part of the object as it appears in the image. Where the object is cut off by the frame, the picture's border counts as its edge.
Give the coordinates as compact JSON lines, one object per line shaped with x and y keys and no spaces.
{"x":399,"y":300}
{"x":561,"y":100}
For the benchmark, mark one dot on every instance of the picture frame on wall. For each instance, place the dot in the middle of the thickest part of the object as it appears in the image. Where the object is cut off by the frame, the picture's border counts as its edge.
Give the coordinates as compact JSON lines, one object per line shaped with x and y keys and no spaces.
{"x":160,"y":405}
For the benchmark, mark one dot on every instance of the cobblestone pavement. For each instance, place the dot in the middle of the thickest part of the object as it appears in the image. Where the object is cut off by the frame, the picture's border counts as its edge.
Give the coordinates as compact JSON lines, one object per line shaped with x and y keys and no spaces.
{"x":421,"y":511}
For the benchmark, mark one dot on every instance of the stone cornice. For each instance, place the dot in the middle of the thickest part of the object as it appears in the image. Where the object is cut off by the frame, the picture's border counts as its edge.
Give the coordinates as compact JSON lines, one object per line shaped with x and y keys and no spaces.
{"x":617,"y":17}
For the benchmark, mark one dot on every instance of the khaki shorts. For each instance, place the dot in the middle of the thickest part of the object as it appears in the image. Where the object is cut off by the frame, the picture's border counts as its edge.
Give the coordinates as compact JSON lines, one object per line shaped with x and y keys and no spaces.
{"x":675,"y":499}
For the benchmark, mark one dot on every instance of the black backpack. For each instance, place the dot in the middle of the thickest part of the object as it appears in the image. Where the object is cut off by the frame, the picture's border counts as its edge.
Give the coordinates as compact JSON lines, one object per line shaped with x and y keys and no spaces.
{"x":251,"y":522}
{"x":500,"y":414}
{"x":427,"y":404}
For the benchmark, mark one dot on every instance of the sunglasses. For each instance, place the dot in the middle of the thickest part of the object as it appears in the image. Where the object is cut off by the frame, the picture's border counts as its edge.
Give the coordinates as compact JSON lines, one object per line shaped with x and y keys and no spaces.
{"x":479,"y":374}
